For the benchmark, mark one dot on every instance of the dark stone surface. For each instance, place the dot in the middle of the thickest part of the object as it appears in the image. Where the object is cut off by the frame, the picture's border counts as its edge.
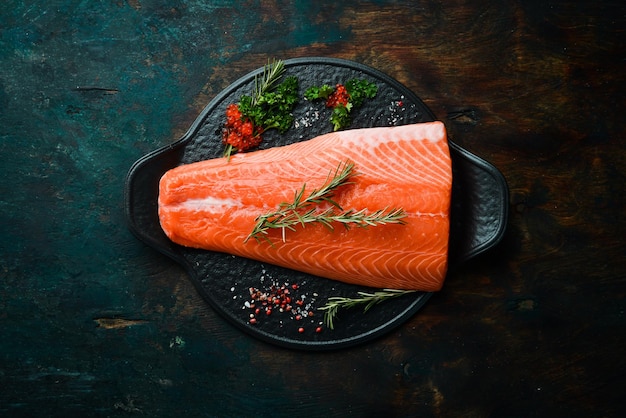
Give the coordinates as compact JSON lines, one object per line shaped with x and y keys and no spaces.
{"x":95,"y":323}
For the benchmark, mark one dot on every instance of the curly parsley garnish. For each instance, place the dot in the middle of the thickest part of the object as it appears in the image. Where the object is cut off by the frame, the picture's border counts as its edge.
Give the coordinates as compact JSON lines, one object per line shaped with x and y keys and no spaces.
{"x":343,"y":99}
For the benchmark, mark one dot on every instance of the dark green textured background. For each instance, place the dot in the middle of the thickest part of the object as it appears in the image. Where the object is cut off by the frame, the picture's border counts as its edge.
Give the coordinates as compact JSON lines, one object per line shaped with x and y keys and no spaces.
{"x":66,"y":255}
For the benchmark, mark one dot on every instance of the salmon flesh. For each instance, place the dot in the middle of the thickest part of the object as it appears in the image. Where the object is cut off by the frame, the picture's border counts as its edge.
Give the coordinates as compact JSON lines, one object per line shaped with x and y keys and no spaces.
{"x":214,"y":205}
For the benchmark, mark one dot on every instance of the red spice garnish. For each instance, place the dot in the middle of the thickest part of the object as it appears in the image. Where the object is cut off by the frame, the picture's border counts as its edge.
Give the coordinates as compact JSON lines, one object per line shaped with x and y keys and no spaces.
{"x":276,"y":299}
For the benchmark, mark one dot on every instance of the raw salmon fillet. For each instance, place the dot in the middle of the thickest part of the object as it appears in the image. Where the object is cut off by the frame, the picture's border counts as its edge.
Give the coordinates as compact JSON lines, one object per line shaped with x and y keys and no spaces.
{"x":213,"y":205}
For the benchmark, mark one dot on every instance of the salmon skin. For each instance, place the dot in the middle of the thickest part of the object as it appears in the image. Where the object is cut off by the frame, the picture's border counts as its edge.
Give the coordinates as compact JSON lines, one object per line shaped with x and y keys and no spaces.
{"x":213,"y":205}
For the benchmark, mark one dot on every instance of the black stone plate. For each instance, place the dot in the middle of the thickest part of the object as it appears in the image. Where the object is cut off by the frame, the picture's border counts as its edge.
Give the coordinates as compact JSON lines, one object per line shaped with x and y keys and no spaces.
{"x":478,"y":214}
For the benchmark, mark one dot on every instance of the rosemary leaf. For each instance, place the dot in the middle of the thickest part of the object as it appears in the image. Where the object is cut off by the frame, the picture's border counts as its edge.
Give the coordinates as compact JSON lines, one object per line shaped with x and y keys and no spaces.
{"x":272,"y":72}
{"x":304,"y":210}
{"x":333,"y":304}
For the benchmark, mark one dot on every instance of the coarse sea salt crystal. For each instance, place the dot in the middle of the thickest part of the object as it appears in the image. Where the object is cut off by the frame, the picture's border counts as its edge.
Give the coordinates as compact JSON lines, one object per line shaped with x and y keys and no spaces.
{"x":310,"y":116}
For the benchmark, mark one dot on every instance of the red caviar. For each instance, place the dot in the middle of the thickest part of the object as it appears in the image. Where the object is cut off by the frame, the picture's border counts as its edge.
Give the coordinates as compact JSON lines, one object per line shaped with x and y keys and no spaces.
{"x":239,"y":132}
{"x":339,"y":96}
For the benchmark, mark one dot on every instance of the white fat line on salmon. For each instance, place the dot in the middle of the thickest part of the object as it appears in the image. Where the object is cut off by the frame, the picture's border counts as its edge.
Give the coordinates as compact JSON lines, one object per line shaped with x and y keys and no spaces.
{"x":428,"y":214}
{"x":209,"y":204}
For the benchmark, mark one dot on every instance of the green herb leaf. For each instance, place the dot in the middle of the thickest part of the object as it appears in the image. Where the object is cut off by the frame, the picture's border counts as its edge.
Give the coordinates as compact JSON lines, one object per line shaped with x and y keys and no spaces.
{"x":368,"y":300}
{"x":317,"y":93}
{"x":274,"y":108}
{"x":359,"y":90}
{"x":340,"y":117}
{"x":272,"y":72}
{"x":303,"y":210}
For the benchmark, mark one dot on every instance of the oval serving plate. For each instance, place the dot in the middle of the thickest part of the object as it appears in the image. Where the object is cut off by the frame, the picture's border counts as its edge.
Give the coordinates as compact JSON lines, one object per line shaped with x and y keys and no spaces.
{"x":478,"y":214}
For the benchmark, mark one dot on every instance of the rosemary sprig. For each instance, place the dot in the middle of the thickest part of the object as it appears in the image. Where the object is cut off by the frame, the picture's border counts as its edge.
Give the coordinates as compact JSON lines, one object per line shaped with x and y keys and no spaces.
{"x":303,"y":210}
{"x":291,"y":218}
{"x":368,"y":299}
{"x":340,"y":177}
{"x":228,"y":151}
{"x":272,"y":72}
{"x":363,"y":219}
